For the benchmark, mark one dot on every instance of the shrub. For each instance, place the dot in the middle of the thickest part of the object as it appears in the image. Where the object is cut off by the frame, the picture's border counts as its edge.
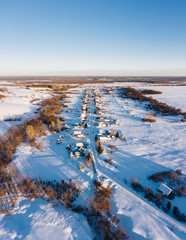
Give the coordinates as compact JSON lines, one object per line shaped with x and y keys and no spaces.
{"x":100,"y":150}
{"x":108,"y":161}
{"x":178,"y":172}
{"x":152,"y":104}
{"x":111,"y":132}
{"x":88,"y":159}
{"x":168,"y":205}
{"x":149,"y":194}
{"x":136,"y":185}
{"x":184,"y":114}
{"x":111,"y":146}
{"x":31,"y":133}
{"x":2,"y":96}
{"x":149,"y":118}
{"x":175,"y":211}
{"x":96,"y":138}
{"x":117,"y":134}
{"x":181,"y":190}
{"x":150,"y":91}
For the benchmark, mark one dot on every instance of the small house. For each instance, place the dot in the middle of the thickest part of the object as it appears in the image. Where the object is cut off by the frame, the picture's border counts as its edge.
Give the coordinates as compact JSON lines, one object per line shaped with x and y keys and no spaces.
{"x":164,"y":189}
{"x":83,"y":117}
{"x":80,"y":136}
{"x":82,"y":166}
{"x":79,"y":144}
{"x":101,"y":132}
{"x":101,"y":124}
{"x":77,"y":133}
{"x":104,"y":138}
{"x":77,"y":153}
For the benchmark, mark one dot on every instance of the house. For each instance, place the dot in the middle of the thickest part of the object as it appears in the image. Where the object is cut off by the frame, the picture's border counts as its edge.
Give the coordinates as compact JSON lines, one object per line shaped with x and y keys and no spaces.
{"x":104,"y":138}
{"x":100,"y":124}
{"x":164,"y":189}
{"x":78,"y":127}
{"x":79,"y":144}
{"x":101,"y":120}
{"x":101,"y":132}
{"x":77,"y":153}
{"x":83,"y":115}
{"x":80,"y":136}
{"x":82,"y":166}
{"x":84,"y":106}
{"x":77,"y":133}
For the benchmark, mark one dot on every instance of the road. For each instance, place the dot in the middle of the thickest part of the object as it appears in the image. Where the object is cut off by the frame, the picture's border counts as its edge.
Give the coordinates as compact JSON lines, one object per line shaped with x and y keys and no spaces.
{"x":101,"y":170}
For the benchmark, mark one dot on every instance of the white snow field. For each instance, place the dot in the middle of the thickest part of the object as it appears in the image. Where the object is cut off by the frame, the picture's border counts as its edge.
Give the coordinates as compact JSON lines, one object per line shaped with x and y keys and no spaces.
{"x":149,"y":148}
{"x":40,"y":220}
{"x":19,"y":101}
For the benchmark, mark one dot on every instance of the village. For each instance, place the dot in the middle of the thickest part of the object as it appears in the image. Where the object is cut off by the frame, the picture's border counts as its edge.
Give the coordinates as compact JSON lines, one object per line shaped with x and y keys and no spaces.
{"x":100,"y":138}
{"x":93,"y":111}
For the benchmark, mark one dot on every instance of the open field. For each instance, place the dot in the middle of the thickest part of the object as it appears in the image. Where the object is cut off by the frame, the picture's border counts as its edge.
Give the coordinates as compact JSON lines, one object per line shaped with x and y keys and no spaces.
{"x":97,"y":155}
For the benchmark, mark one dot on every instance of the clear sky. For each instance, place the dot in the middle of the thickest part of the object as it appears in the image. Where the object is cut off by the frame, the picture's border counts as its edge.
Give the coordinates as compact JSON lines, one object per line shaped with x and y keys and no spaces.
{"x":93,"y":37}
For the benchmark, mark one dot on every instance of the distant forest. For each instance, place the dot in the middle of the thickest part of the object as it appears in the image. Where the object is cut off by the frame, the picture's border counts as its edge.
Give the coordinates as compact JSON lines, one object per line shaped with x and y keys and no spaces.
{"x":91,"y":79}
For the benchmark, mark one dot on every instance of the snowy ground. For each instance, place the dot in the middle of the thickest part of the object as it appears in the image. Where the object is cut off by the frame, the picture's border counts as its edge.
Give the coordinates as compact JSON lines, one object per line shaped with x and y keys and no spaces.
{"x":19,"y":101}
{"x":149,"y":148}
{"x":40,"y":220}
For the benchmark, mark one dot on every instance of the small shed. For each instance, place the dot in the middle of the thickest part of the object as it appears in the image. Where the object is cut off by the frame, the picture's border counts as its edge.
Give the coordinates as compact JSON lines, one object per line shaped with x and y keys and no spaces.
{"x":71,"y":155}
{"x":164,"y":189}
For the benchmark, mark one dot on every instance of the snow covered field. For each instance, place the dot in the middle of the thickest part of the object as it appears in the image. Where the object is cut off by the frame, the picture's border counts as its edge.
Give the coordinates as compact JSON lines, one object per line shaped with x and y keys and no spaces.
{"x":19,"y":101}
{"x":172,"y":95}
{"x":149,"y":148}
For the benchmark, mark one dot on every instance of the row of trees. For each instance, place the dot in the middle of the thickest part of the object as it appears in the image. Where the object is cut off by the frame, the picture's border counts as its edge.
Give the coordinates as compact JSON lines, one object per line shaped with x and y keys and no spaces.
{"x":157,"y":198}
{"x":13,"y":184}
{"x":150,"y":91}
{"x":32,"y":128}
{"x":99,"y":216}
{"x":153,"y":104}
{"x":173,"y":178}
{"x":28,"y":131}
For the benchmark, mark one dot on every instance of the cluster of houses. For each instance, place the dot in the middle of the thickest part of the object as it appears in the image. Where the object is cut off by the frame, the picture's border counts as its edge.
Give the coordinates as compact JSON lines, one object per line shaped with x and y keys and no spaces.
{"x":105,"y":122}
{"x":79,"y":149}
{"x":98,"y":104}
{"x":78,"y":134}
{"x":104,"y":135}
{"x":102,"y":121}
{"x":85,"y":105}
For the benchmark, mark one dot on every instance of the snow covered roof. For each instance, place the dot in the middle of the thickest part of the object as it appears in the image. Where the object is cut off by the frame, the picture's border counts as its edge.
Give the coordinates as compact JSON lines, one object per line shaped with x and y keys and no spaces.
{"x":79,"y":144}
{"x":77,"y":132}
{"x":165,"y":189}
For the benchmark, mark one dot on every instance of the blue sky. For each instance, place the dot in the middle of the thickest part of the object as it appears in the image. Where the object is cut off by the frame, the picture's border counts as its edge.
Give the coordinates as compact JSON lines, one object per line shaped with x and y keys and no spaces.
{"x":93,"y":37}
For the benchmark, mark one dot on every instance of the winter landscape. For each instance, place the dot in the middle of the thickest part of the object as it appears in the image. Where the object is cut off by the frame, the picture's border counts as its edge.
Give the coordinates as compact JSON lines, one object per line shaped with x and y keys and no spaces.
{"x":93,"y":120}
{"x":93,"y":161}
